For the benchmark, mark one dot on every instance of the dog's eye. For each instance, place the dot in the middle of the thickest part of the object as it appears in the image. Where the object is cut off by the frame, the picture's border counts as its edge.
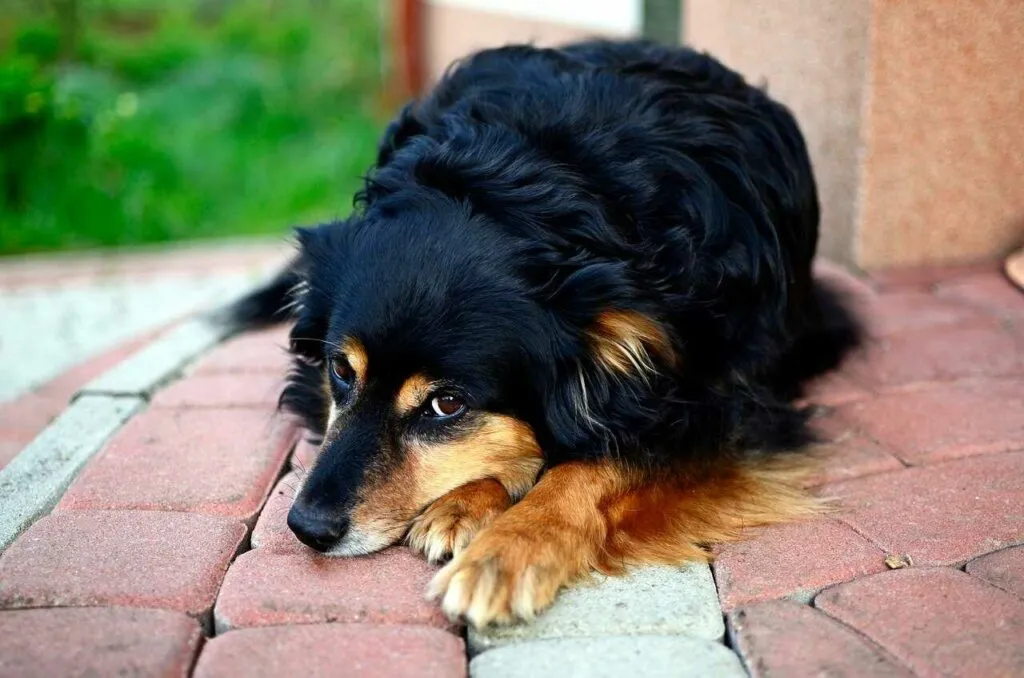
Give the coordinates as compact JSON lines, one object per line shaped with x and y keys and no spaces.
{"x":445,"y":406}
{"x":343,"y":373}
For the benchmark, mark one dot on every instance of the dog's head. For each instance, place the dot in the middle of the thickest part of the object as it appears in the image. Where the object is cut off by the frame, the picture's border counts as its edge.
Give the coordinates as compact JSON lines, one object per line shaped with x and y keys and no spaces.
{"x":433,"y":359}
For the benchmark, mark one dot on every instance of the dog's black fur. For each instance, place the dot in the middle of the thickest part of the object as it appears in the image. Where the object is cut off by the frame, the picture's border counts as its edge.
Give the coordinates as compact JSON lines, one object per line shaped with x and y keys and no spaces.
{"x":534,"y":189}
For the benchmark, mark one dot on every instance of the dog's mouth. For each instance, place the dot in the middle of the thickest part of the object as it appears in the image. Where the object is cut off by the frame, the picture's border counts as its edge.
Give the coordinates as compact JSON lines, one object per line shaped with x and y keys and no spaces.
{"x":358,"y":532}
{"x":359,"y":541}
{"x":340,"y":513}
{"x":348,"y":540}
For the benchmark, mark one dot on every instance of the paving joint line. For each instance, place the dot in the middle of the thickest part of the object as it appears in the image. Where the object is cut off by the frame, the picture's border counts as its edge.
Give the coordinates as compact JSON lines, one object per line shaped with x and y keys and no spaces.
{"x":728,"y":638}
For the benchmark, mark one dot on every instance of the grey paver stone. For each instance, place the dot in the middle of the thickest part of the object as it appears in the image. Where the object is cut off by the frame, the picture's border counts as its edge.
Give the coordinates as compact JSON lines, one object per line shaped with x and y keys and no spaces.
{"x":649,"y":600}
{"x":610,"y":657}
{"x":144,"y":372}
{"x":37,"y":478}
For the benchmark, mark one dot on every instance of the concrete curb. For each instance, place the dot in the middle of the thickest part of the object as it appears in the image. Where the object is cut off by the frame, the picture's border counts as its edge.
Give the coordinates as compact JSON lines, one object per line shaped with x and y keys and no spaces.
{"x":35,"y":480}
{"x":662,"y":601}
{"x":610,"y":657}
{"x":662,"y":621}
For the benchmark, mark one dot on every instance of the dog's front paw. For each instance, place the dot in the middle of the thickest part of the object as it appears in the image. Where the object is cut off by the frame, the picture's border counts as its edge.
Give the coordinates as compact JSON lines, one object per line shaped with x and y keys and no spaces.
{"x":446,"y":527}
{"x":500,"y":577}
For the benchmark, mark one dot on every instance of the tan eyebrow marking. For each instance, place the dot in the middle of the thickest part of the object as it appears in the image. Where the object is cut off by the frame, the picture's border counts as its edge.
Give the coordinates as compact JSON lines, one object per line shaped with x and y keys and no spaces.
{"x":413,"y":393}
{"x":356,"y":356}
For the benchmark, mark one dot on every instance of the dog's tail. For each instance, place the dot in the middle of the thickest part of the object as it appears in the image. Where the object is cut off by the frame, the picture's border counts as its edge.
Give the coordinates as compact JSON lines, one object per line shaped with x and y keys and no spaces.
{"x":267,"y":305}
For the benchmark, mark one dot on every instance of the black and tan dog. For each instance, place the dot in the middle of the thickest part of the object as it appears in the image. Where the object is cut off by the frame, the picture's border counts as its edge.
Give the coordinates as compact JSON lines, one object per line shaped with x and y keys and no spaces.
{"x":563,"y":329}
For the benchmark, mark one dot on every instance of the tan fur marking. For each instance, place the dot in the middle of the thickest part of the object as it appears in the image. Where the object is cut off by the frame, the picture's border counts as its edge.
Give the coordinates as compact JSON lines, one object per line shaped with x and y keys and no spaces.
{"x":355,"y":353}
{"x":500,"y":447}
{"x":680,"y":519}
{"x":412,"y":394}
{"x":623,"y":341}
{"x":386,"y":504}
{"x":583,"y":517}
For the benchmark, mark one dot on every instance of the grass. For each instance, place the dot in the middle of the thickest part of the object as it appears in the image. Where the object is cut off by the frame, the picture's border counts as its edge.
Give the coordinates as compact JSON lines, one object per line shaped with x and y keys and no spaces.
{"x":143,"y":121}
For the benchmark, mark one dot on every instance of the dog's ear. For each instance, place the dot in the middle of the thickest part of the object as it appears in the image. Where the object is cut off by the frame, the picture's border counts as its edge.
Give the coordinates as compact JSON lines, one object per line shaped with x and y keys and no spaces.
{"x":604,"y":390}
{"x":322,"y":252}
{"x":629,"y":344}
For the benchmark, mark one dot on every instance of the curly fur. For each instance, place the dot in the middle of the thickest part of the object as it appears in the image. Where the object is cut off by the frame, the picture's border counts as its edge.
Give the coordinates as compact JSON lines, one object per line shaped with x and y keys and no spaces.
{"x":610,"y":242}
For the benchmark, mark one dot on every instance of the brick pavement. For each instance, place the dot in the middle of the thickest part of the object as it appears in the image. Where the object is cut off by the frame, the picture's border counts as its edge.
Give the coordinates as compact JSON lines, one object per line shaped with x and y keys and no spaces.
{"x":70,"y":317}
{"x":22,"y":419}
{"x":169,"y":554}
{"x":925,"y":456}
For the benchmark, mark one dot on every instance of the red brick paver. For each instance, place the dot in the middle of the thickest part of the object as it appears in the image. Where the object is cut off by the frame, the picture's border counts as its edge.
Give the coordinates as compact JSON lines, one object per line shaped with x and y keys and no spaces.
{"x":265,"y":588}
{"x":271,"y":532}
{"x":1003,"y":569}
{"x":923,"y":444}
{"x":305,"y":454}
{"x":943,"y":421}
{"x":97,"y":641}
{"x":942,"y":514}
{"x":173,"y":561}
{"x":265,"y":351}
{"x":889,"y":314}
{"x":988,"y":290}
{"x":328,"y":650}
{"x":981,"y":347}
{"x":847,"y":452}
{"x":835,"y":388}
{"x":926,"y":278}
{"x":257,"y":390}
{"x":793,"y":560}
{"x":220,"y":462}
{"x":784,"y":639}
{"x":937,"y":621}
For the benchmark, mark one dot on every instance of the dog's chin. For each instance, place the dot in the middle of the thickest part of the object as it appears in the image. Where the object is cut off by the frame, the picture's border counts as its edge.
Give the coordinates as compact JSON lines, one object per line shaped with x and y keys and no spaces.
{"x":362,"y":542}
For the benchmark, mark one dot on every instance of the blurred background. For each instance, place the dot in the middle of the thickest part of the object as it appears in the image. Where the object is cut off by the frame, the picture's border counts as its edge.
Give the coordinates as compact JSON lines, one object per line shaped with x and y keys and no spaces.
{"x":155,"y":153}
{"x":127,"y":122}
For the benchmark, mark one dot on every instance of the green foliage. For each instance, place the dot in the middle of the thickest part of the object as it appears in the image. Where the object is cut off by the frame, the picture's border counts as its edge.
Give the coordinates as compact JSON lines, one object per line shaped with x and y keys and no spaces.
{"x":136,"y":121}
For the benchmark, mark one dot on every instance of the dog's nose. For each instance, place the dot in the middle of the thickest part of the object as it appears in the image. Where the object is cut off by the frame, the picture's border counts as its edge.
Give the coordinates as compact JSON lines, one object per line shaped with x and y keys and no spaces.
{"x":314,"y":528}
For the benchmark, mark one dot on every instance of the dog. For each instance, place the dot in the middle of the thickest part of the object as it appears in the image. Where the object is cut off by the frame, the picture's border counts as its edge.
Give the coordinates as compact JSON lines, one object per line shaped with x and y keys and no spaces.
{"x":564,"y":328}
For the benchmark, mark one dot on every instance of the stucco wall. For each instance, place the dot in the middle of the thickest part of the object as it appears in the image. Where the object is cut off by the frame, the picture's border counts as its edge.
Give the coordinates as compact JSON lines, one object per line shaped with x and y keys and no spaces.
{"x":912,"y":110}
{"x":811,"y":53}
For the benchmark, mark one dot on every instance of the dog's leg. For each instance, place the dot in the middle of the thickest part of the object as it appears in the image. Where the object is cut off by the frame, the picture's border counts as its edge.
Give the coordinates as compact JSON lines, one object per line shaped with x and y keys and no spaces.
{"x":553,"y":535}
{"x":582,"y":517}
{"x":448,"y":524}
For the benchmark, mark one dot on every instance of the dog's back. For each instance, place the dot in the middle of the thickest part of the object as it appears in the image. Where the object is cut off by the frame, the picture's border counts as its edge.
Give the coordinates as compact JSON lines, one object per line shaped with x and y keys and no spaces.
{"x":701,"y":183}
{"x":634,"y":176}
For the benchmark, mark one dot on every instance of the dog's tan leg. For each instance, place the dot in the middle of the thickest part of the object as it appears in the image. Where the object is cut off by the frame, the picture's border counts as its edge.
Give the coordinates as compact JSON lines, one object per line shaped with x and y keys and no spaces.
{"x":515,"y":567}
{"x":448,"y":525}
{"x":582,"y":517}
